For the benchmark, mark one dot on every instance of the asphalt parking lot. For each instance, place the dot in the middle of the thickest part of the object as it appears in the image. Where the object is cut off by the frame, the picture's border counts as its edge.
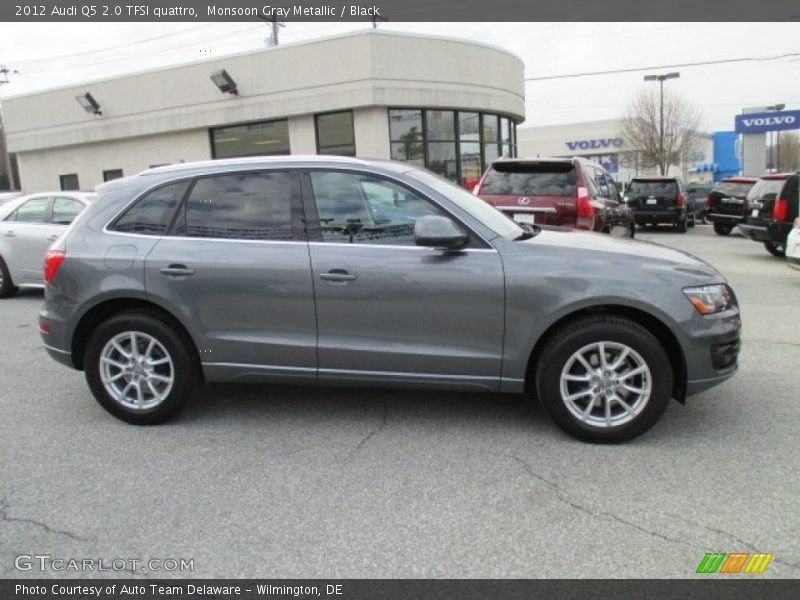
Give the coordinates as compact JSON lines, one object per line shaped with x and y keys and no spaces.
{"x":296,"y":482}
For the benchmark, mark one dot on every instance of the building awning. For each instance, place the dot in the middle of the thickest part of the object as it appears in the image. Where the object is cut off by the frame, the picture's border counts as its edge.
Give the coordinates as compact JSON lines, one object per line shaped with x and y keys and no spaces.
{"x":705,"y":168}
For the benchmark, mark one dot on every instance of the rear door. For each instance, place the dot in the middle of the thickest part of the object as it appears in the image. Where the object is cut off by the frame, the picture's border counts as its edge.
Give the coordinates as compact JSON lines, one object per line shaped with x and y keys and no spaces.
{"x":236,"y":267}
{"x":654,"y":194}
{"x":391,"y":311}
{"x":544,"y":191}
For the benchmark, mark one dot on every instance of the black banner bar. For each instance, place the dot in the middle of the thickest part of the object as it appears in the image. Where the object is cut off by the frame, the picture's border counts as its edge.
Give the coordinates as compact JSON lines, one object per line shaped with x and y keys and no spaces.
{"x":706,"y":588}
{"x":398,"y":10}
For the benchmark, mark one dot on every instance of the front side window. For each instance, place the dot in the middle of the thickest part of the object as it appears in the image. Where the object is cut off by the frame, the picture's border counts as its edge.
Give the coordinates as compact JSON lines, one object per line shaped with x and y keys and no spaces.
{"x":244,"y":206}
{"x":335,"y":134}
{"x":32,"y":211}
{"x":152,"y":214}
{"x":65,"y":210}
{"x":362,"y":209}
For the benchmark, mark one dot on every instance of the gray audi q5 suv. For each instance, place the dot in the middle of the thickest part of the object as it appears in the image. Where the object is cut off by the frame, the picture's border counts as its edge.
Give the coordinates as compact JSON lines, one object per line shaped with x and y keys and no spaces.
{"x":325,"y":270}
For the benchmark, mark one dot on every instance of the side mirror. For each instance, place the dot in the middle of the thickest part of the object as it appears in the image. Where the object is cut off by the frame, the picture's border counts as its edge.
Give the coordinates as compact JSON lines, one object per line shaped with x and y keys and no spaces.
{"x":439,"y":232}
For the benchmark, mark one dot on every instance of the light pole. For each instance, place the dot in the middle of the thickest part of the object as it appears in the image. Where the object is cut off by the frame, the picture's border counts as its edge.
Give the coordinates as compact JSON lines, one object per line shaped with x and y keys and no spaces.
{"x":660,"y":79}
{"x":776,"y":108}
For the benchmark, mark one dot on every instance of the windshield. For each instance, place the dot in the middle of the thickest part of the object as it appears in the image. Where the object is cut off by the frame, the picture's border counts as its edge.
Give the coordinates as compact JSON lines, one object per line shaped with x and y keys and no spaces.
{"x":654,"y":188}
{"x":530,"y":179}
{"x":483,"y":212}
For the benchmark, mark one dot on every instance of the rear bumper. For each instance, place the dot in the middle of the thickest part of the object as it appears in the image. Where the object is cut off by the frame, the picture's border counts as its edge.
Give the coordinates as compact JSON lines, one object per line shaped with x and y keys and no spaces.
{"x":672,"y":215}
{"x":724,"y":219}
{"x":771,"y":232}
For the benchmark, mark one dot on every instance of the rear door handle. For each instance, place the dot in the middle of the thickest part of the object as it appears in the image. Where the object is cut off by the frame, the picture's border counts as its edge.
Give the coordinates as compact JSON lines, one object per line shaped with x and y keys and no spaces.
{"x":177,"y":271}
{"x":338,"y":275}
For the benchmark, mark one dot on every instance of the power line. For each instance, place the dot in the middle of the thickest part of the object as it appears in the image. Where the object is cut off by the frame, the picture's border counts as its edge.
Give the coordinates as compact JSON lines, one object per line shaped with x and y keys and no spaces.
{"x":657,"y":67}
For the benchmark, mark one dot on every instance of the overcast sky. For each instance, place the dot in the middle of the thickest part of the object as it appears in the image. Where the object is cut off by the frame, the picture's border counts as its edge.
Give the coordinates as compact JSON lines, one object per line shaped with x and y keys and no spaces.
{"x":50,"y":55}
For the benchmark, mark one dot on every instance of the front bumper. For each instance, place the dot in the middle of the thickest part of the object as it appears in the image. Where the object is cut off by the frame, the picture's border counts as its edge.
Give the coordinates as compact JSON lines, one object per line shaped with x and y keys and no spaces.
{"x":712,"y":351}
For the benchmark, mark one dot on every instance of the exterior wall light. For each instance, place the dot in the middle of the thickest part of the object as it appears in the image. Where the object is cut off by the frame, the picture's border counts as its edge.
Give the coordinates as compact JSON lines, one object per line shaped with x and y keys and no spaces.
{"x":89,"y":104}
{"x":224,"y":82}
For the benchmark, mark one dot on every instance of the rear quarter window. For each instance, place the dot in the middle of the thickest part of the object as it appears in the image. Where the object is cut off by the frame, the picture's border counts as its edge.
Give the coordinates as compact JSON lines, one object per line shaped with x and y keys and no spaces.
{"x":152,"y":214}
{"x":535,"y":179}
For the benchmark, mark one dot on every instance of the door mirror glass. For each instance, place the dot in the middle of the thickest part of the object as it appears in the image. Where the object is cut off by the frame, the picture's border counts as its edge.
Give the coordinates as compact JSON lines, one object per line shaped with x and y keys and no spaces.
{"x":439,"y":232}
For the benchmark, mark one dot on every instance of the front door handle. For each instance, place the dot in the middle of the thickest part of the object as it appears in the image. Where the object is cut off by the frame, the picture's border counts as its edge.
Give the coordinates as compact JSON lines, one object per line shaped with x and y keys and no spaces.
{"x":10,"y":234}
{"x":339,"y":275}
{"x":177,"y":271}
{"x":52,"y":238}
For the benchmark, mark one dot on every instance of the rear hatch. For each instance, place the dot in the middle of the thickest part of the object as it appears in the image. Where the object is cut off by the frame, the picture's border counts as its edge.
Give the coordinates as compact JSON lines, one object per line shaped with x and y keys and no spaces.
{"x":653,"y":194}
{"x":544,"y":191}
{"x":761,"y":199}
{"x":729,"y":198}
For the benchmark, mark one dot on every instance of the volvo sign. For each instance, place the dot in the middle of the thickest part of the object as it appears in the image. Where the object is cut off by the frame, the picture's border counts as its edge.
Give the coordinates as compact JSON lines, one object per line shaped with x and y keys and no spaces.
{"x":768,"y":121}
{"x":595,"y":144}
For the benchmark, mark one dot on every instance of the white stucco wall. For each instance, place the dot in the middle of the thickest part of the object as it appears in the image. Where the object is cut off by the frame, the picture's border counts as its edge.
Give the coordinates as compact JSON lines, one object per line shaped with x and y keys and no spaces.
{"x":159,"y":116}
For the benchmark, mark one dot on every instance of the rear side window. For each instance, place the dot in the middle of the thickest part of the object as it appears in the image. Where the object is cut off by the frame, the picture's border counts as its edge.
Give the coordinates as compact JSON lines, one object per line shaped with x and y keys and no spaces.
{"x":734,"y":189}
{"x":530,"y":179}
{"x":654,"y":188}
{"x":767,"y":189}
{"x":152,"y":214}
{"x":65,"y":210}
{"x":246,"y":206}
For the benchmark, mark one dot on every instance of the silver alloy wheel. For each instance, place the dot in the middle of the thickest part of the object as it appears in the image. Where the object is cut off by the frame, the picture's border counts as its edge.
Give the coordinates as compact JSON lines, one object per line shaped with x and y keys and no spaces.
{"x":136,"y":370}
{"x":606,"y":384}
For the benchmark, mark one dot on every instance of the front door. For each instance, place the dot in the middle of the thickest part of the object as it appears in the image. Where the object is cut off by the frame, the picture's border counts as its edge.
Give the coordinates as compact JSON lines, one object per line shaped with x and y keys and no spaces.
{"x":391,"y":311}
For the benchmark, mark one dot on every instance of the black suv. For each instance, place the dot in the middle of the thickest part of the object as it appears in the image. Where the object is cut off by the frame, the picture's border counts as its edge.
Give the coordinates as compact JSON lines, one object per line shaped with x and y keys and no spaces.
{"x":773,"y":207}
{"x":658,"y":200}
{"x":726,"y":205}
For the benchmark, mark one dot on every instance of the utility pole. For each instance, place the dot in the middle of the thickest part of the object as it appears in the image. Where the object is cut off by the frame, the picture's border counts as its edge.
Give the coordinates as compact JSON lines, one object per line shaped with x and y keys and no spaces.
{"x":660,"y":79}
{"x":4,"y":72}
{"x":272,"y":41}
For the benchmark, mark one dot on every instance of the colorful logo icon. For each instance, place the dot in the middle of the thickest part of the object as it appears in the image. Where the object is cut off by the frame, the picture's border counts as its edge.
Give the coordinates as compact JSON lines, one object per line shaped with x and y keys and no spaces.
{"x":735,"y":562}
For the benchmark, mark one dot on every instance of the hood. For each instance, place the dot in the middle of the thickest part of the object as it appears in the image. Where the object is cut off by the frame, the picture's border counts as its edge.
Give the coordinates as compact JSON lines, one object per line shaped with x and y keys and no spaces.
{"x":621,"y":252}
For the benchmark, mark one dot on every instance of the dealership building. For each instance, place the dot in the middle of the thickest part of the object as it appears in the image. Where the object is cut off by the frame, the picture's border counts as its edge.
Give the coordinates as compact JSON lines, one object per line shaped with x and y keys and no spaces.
{"x":448,"y":104}
{"x":600,"y":141}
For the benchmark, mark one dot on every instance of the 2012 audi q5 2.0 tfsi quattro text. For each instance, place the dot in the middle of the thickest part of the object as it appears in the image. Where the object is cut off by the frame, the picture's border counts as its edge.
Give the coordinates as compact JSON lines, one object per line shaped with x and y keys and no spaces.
{"x":328,"y":270}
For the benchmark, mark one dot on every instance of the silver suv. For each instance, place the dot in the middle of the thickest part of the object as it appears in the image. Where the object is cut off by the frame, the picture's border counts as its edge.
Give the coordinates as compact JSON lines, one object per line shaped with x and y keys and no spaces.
{"x":324,"y":270}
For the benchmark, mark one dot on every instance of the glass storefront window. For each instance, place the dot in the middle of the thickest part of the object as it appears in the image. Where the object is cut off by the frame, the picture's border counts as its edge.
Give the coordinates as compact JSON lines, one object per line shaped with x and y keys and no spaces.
{"x":457,"y":145}
{"x":335,"y":134}
{"x":251,"y":139}
{"x":441,"y":125}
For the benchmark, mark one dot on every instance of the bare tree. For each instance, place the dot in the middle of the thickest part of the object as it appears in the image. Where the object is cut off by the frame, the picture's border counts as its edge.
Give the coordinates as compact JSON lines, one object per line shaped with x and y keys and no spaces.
{"x":640,"y":128}
{"x":787,"y":151}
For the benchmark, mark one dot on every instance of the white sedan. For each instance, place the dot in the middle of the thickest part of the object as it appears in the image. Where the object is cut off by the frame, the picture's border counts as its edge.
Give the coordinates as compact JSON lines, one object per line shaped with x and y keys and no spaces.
{"x":793,"y":246}
{"x":28,"y":226}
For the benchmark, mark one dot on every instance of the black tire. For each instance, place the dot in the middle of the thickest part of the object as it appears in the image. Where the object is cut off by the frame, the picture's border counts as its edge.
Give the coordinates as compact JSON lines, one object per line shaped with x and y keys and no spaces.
{"x":7,"y":287}
{"x":722,"y":229}
{"x":182,"y":369}
{"x":616,"y":331}
{"x":775,"y":248}
{"x":680,"y":226}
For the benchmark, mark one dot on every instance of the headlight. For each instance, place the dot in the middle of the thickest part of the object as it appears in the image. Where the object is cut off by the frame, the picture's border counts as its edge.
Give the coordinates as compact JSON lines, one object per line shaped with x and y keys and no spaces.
{"x":709,"y":299}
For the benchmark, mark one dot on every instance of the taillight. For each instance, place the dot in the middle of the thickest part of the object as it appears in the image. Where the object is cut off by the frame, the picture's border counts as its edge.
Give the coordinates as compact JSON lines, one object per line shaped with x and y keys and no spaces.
{"x":779,"y":209}
{"x":680,"y":200}
{"x":52,"y":260}
{"x":708,"y":201}
{"x":584,"y":210}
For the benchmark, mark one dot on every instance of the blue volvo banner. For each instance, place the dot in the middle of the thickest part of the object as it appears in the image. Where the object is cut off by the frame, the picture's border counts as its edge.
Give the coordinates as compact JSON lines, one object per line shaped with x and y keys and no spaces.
{"x":768,"y":121}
